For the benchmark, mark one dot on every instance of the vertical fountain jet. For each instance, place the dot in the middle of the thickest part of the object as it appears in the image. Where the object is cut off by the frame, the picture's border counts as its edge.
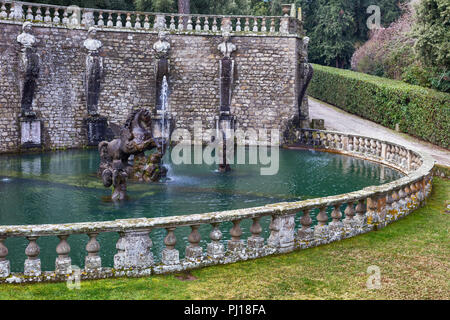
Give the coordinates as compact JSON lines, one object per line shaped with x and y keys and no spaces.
{"x":225,"y":121}
{"x":164,"y":125}
{"x":96,"y":125}
{"x":29,"y":124}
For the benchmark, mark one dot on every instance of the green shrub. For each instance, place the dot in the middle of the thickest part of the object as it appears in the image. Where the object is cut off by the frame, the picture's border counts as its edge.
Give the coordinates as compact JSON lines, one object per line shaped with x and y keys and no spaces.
{"x":419,"y":111}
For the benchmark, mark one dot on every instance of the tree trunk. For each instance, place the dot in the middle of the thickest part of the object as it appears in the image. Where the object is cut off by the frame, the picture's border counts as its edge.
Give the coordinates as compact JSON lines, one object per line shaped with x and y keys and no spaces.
{"x":184,"y":6}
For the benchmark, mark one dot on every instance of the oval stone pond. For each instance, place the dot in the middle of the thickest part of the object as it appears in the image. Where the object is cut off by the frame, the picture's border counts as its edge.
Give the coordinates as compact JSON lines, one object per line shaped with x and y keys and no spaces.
{"x":62,"y":187}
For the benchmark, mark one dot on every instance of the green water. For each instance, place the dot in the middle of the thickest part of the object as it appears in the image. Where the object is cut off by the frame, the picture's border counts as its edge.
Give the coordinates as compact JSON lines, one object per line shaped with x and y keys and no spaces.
{"x":62,"y":187}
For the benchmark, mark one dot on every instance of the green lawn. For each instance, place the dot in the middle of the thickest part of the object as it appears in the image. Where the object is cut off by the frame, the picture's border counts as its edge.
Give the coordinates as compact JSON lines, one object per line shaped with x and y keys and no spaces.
{"x":413,"y":255}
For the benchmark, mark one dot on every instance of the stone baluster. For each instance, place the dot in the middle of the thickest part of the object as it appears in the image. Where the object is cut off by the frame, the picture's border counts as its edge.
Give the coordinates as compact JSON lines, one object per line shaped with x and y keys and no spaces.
{"x":189,"y":23}
{"x":92,"y":262}
{"x":356,"y":144}
{"x":138,"y":24}
{"x":56,"y":16}
{"x":382,"y":210}
{"x":408,"y":200}
{"x":351,"y":147}
{"x":47,"y":17}
{"x":235,"y":244}
{"x":336,"y":227}
{"x":338,"y":141}
{"x":373,"y":147}
{"x":119,"y":23}
{"x":29,"y":13}
{"x":272,"y":25}
{"x":255,"y":25}
{"x":390,"y":202}
{"x":388,"y":152}
{"x":100,"y":21}
{"x":215,"y":248}
{"x":119,"y":257}
{"x":193,"y":251}
{"x":206,"y":24}
{"x":379,"y":148}
{"x":349,"y":221}
{"x":263,"y":25}
{"x":361,"y":218}
{"x":402,"y":203}
{"x":305,"y":234}
{"x":32,"y":266}
{"x":255,"y":242}
{"x":38,"y":14}
{"x":172,"y":25}
{"x":63,"y":262}
{"x":5,"y":266}
{"x":368,"y":146}
{"x":3,"y":12}
{"x":16,"y":11}
{"x":214,"y":26}
{"x":198,"y":24}
{"x":146,"y":22}
{"x":180,"y":23}
{"x":170,"y":255}
{"x":110,"y":22}
{"x":420,"y":193}
{"x":321,"y":231}
{"x":65,"y":19}
{"x":128,"y":21}
{"x":238,"y":25}
{"x":373,"y":219}
{"x":247,"y":24}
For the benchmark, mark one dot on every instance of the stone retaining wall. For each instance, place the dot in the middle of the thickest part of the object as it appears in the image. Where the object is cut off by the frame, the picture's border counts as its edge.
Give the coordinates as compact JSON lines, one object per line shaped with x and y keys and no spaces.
{"x":264,"y":91}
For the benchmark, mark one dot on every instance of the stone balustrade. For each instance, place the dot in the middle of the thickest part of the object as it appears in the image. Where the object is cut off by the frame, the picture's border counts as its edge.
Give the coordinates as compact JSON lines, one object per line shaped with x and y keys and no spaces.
{"x":75,"y":17}
{"x":371,"y":208}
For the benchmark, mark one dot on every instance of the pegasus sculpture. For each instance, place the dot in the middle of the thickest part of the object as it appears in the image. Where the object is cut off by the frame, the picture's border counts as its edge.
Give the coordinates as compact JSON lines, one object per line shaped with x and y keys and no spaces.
{"x":134,"y":138}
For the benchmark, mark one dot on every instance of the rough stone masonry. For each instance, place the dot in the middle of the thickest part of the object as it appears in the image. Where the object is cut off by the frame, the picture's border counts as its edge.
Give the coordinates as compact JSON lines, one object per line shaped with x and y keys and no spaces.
{"x":264,"y":93}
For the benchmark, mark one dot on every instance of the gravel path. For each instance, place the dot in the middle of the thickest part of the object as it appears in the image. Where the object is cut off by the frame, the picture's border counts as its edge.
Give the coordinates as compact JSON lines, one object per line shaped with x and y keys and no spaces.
{"x":339,"y":120}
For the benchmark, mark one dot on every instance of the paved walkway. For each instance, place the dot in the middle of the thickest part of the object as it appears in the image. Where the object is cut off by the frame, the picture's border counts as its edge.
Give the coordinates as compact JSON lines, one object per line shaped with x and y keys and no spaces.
{"x":339,"y":120}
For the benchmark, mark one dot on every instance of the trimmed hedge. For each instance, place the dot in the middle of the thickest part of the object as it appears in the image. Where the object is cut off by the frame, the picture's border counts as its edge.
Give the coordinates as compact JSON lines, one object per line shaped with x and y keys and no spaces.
{"x":421,"y":112}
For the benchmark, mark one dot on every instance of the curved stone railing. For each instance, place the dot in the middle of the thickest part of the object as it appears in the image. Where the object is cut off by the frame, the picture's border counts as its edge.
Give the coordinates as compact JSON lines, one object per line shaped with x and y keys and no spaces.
{"x":75,"y":17}
{"x":368,"y":209}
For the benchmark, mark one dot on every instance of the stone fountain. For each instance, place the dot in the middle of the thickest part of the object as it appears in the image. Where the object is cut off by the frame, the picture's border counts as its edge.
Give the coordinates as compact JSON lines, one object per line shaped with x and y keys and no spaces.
{"x":96,"y":124}
{"x":135,"y":137}
{"x":225,"y":120}
{"x":30,"y":125}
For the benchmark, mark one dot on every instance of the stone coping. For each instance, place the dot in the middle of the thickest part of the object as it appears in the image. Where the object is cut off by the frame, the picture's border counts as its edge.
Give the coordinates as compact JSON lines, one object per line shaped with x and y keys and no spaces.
{"x":281,"y":209}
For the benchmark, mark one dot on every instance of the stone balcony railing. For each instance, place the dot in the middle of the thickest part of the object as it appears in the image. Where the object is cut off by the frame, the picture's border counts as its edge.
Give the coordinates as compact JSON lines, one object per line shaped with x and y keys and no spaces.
{"x":75,"y":17}
{"x":368,"y":209}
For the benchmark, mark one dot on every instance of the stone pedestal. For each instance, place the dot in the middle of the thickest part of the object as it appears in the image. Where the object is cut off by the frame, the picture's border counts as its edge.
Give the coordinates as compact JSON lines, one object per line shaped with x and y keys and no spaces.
{"x":215,"y":250}
{"x":282,"y":235}
{"x":5,"y":268}
{"x":92,"y":263}
{"x":96,"y":130}
{"x":30,"y":133}
{"x":32,"y":267}
{"x":63,"y":265}
{"x":134,"y":251}
{"x":170,"y":257}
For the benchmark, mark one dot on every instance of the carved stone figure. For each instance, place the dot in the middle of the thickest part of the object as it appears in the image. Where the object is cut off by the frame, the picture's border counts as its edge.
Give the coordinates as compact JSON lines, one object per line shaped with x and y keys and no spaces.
{"x":225,"y":121}
{"x":227,"y":47}
{"x":162,"y":46}
{"x":30,"y":64}
{"x":94,"y":71}
{"x":161,"y":49}
{"x":135,"y":137}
